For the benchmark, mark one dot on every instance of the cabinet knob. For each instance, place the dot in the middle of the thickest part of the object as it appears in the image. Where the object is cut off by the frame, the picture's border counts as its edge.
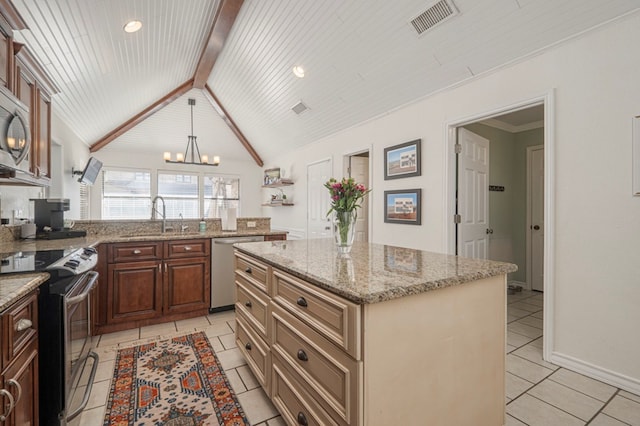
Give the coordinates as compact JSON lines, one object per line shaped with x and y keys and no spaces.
{"x":302,"y":302}
{"x":302,"y":355}
{"x":248,"y":304}
{"x":12,"y":404}
{"x":536,"y":227}
{"x":248,"y":270}
{"x":302,"y":419}
{"x":136,"y":251}
{"x":248,"y":346}
{"x":23,"y":324}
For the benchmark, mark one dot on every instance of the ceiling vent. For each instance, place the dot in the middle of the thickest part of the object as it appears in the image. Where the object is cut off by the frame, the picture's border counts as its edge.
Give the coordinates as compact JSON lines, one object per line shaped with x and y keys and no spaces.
{"x":299,"y":108}
{"x":434,"y":15}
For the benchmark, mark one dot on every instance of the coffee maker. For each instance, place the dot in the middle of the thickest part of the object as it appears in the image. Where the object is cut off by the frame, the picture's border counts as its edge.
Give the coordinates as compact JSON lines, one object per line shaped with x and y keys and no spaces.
{"x":49,"y":219}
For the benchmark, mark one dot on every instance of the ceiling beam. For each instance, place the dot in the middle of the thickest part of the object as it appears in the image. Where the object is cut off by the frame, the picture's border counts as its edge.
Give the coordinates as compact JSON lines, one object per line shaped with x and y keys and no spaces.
{"x":142,"y":115}
{"x":225,"y":17}
{"x":232,"y":125}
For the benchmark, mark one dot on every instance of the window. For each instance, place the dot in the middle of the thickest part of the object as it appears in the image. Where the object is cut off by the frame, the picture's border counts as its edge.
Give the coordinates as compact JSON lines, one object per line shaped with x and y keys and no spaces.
{"x":180,"y":193}
{"x":220,"y":194}
{"x":126,"y":194}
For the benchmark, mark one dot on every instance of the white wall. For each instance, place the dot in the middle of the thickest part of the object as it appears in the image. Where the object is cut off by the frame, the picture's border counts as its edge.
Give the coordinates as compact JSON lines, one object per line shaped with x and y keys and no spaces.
{"x":248,"y":171}
{"x":68,"y":152}
{"x":597,"y":275}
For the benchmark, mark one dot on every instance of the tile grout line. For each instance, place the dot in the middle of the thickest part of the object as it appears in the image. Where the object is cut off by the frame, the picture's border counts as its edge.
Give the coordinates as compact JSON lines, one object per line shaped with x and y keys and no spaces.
{"x":564,"y":411}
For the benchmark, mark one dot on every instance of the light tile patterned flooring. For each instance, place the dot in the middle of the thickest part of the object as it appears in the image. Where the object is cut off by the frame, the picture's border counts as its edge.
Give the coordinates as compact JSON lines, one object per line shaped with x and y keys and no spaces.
{"x":538,"y":393}
{"x":543,"y":394}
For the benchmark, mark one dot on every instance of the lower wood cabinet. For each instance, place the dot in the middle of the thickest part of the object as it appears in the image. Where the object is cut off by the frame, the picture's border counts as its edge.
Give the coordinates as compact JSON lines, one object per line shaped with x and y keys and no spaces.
{"x":152,"y":282}
{"x":19,"y":378}
{"x":134,"y":291}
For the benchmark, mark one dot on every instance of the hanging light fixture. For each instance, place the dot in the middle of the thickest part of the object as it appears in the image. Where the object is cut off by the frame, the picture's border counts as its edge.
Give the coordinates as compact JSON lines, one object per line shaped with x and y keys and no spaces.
{"x":192,"y":152}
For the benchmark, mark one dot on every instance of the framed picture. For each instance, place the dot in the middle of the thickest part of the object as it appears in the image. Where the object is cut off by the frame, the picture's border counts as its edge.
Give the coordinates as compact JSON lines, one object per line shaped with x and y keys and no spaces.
{"x":402,"y":206}
{"x":400,"y":259}
{"x":402,"y":160}
{"x":271,"y":176}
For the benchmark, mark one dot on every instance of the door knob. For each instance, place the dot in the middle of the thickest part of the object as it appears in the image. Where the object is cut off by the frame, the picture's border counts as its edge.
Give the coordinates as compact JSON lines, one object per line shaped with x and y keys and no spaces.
{"x":536,"y":227}
{"x":489,"y":231}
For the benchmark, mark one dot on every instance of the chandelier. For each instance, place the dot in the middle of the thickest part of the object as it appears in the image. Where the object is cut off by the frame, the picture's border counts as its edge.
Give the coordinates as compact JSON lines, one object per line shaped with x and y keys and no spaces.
{"x":192,"y":152}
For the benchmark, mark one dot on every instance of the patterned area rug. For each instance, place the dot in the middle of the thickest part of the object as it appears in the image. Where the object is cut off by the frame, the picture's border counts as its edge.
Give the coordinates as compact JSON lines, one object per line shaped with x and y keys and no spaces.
{"x":171,"y":383}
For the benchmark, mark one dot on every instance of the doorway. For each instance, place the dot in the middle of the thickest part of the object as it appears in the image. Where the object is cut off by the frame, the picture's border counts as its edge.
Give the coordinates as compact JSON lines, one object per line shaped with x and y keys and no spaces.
{"x":318,"y":223}
{"x":357,"y":166}
{"x":522,"y":219}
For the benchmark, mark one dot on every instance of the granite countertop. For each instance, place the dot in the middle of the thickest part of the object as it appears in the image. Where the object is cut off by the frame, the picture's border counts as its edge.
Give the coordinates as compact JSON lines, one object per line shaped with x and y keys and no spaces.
{"x":372,"y":272}
{"x":13,"y":287}
{"x":94,"y":240}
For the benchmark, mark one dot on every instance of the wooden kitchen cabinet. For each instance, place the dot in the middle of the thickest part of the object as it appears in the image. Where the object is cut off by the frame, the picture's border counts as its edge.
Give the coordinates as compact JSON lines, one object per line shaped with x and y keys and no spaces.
{"x":134,"y":291}
{"x":184,"y":288}
{"x":150,"y":282}
{"x":19,"y":337}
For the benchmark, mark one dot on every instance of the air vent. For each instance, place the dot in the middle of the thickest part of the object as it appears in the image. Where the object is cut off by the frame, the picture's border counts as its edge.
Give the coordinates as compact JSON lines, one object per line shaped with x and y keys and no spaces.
{"x":299,"y":108}
{"x":434,"y":15}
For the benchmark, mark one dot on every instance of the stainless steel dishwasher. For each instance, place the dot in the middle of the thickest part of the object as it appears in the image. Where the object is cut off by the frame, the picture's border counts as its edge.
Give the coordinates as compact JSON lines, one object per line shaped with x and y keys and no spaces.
{"x":223,"y":292}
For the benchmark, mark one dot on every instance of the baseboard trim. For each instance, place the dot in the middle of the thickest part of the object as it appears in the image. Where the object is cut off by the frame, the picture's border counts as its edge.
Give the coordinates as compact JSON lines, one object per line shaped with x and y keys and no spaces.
{"x":613,"y":378}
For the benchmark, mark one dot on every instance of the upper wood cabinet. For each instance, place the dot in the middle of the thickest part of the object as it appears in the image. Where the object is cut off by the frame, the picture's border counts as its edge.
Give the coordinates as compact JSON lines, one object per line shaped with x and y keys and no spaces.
{"x":33,"y":88}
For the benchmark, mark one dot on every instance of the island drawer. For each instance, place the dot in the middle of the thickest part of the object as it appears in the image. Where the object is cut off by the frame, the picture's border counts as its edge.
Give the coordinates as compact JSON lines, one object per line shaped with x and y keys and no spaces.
{"x":291,"y":399}
{"x":19,"y":327}
{"x":328,"y":373}
{"x":133,"y":252}
{"x":254,"y":271}
{"x":255,"y":351}
{"x":334,"y":317}
{"x":254,"y":304}
{"x":187,"y":248}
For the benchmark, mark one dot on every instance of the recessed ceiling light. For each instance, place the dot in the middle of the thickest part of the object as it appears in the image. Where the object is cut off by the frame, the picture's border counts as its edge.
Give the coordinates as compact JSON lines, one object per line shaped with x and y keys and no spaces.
{"x":298,"y":71}
{"x":132,"y":26}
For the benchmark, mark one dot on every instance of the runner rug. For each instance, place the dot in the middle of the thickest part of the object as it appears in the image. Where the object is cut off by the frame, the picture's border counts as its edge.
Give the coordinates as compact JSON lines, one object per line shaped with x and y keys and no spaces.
{"x":172,"y":382}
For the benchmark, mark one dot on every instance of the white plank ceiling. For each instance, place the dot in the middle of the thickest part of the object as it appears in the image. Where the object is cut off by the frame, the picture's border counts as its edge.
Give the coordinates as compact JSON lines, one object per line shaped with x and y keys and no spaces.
{"x":362,"y":59}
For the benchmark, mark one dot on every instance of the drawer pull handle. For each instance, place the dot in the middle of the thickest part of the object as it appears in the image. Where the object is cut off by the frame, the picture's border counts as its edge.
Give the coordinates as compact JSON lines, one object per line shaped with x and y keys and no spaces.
{"x":23,"y":324}
{"x":187,"y":248}
{"x":302,"y":302}
{"x":248,"y":270}
{"x":14,"y":382}
{"x":302,"y":419}
{"x":302,"y":355}
{"x":248,"y":346}
{"x":136,"y":251}
{"x":12,"y":404}
{"x":248,"y":304}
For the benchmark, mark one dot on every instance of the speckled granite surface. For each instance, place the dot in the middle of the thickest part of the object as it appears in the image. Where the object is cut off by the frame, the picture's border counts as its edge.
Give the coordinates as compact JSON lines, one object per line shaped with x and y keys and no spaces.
{"x":13,"y":287}
{"x":372,"y":272}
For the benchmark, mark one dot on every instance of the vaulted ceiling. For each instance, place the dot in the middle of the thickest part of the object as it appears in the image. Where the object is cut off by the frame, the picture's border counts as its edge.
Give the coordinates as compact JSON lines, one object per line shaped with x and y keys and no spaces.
{"x":362,"y":59}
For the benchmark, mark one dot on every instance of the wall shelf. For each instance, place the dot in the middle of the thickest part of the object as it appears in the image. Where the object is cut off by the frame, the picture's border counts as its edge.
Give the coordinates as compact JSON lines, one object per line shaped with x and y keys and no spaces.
{"x":277,"y":204}
{"x":277,"y":184}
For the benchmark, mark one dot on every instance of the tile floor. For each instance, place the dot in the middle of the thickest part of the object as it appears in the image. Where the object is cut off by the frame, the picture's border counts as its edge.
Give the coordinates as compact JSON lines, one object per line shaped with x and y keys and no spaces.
{"x":538,"y":393}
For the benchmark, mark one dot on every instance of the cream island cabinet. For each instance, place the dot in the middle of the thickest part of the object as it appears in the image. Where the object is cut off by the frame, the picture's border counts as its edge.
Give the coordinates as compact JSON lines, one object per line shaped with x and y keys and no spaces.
{"x":383,"y":336}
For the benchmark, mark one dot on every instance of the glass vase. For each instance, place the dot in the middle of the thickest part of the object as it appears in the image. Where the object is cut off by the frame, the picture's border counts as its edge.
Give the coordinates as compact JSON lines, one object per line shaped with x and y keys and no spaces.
{"x":344,"y":230}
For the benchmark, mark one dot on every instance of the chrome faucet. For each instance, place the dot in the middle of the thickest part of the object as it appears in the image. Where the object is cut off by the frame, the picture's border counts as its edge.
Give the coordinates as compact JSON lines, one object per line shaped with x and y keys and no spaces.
{"x":154,"y":211}
{"x":182,"y":225}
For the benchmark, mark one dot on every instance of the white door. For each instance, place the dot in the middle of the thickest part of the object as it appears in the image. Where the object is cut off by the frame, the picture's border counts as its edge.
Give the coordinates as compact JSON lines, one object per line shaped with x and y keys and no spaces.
{"x":535,"y":204}
{"x":473,"y":195}
{"x":359,"y":170}
{"x":318,"y":202}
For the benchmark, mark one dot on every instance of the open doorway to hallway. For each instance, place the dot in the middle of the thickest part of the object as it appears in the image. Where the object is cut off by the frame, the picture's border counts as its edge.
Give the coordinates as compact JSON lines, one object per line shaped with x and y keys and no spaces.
{"x":500,"y":192}
{"x":357,"y":166}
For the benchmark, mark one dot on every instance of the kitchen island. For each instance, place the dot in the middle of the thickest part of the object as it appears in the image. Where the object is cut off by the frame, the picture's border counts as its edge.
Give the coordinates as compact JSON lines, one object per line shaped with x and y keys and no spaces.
{"x":385,"y":335}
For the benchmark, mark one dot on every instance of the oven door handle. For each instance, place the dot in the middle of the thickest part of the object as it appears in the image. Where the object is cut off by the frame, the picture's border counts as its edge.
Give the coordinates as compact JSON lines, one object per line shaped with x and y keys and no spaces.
{"x":79,"y":298}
